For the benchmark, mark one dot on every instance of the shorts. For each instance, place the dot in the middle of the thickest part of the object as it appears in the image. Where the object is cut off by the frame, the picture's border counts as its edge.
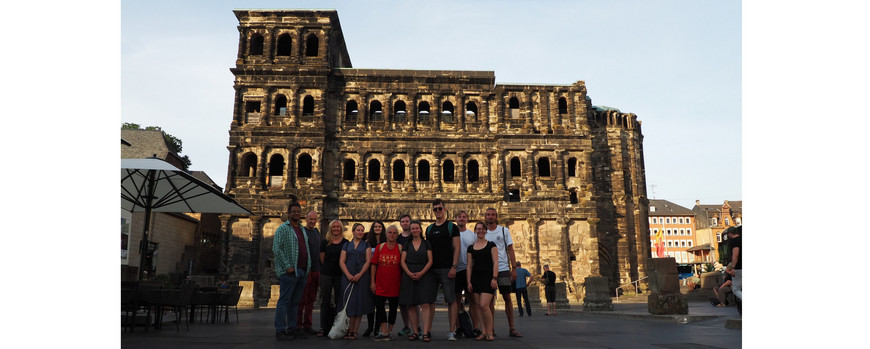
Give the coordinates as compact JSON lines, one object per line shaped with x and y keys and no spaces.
{"x":502,"y":288}
{"x":447,"y":284}
{"x":461,"y":282}
{"x":550,"y":294}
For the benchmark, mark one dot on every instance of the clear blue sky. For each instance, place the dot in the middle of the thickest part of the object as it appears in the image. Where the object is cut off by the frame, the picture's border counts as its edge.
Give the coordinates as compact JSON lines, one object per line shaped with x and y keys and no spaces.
{"x":676,"y":64}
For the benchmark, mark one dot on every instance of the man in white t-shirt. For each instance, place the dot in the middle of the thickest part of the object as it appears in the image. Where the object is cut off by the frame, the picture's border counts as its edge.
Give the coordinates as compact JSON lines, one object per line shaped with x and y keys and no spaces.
{"x":466,"y":238}
{"x":507,"y":275}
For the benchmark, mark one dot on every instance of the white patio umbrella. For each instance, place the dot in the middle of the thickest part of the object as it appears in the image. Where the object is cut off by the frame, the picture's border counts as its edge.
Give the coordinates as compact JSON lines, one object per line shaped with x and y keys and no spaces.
{"x":153,"y":185}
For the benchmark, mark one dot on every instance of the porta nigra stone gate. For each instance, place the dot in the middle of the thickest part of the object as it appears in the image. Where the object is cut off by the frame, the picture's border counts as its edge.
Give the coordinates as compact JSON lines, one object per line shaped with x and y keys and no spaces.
{"x":361,"y":145}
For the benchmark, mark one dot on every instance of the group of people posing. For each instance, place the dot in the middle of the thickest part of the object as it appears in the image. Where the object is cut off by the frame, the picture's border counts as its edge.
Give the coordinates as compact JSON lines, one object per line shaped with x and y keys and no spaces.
{"x":385,"y":271}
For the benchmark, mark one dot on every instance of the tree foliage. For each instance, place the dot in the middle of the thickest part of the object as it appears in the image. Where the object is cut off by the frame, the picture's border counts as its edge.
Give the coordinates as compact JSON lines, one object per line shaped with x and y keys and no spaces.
{"x":174,"y":143}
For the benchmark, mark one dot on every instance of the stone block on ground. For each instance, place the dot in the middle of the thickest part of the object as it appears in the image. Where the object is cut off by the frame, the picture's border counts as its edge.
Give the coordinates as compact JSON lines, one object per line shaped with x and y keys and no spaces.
{"x":597,"y":294}
{"x":246,"y":300}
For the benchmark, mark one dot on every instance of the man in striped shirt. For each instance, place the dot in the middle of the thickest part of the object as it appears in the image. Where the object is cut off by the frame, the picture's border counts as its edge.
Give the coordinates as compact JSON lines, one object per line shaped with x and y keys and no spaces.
{"x":292,"y":262}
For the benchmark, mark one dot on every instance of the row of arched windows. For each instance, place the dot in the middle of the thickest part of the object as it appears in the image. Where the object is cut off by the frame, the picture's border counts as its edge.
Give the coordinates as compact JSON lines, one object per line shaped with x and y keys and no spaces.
{"x":373,"y":170}
{"x":304,"y":167}
{"x":283,"y":46}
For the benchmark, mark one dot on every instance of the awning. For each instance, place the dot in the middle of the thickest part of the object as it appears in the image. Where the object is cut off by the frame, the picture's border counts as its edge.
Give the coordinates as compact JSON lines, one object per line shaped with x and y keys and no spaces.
{"x":700,"y":248}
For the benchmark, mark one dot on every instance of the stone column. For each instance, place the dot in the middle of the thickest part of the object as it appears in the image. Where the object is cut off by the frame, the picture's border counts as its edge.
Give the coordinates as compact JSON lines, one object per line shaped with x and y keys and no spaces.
{"x":412,"y":172}
{"x":484,"y":112}
{"x":385,"y":173}
{"x":261,"y":170}
{"x":532,"y":173}
{"x":224,"y":268}
{"x":412,"y":110}
{"x":559,"y":158}
{"x":291,"y":168}
{"x":361,"y":172}
{"x":597,"y":294}
{"x":362,"y":118}
{"x":461,"y":108}
{"x":437,"y":172}
{"x":461,"y":172}
{"x":296,"y":111}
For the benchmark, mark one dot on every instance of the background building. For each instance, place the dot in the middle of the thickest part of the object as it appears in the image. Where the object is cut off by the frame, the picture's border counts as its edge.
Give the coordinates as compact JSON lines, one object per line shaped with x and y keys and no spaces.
{"x":179,"y":244}
{"x":566,"y":177}
{"x":711,"y":220}
{"x":675,"y":225}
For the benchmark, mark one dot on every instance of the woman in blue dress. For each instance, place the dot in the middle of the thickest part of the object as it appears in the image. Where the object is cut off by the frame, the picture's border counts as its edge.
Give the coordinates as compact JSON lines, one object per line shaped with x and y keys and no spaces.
{"x":354,"y":262}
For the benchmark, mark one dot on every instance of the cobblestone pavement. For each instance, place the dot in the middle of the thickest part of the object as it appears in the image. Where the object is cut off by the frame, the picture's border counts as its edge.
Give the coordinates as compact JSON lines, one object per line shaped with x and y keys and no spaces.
{"x":628,"y":326}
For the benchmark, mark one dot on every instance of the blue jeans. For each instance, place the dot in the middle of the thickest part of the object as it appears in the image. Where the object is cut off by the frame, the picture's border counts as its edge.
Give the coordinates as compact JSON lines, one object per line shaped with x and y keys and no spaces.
{"x":291,"y":289}
{"x":525,"y":295}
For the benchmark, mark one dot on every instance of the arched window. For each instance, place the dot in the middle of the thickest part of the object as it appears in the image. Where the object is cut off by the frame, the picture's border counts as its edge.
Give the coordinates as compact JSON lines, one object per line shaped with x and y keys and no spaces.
{"x":281,"y":105}
{"x":471,"y":112}
{"x":374,"y":170}
{"x":303,"y":166}
{"x":249,"y":165}
{"x":284,"y":45}
{"x":350,"y":111}
{"x":401,"y":113}
{"x":256,"y":48}
{"x":349,"y":170}
{"x":447,"y":112}
{"x":514,"y":105}
{"x":311,"y":46}
{"x":572,"y":167}
{"x":376,"y":112}
{"x":563,"y":106}
{"x":423,"y":112}
{"x":398,"y":170}
{"x":423,"y":171}
{"x":544,"y":167}
{"x":276,"y":171}
{"x":516,"y":169}
{"x":448,"y":171}
{"x":473,"y":171}
{"x":308,"y":106}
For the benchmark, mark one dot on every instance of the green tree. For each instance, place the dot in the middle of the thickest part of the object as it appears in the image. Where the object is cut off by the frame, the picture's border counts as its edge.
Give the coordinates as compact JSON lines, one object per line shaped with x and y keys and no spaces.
{"x":174,"y":143}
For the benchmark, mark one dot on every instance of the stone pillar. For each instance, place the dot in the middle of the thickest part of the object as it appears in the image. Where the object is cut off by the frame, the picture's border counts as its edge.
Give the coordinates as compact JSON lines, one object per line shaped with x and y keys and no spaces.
{"x":361,"y":172}
{"x":385,"y":172}
{"x":412,"y":172}
{"x":664,"y":283}
{"x":247,"y":298}
{"x":291,"y":168}
{"x":461,"y":172}
{"x":559,"y":158}
{"x":484,"y":112}
{"x":436,"y":171}
{"x":562,"y":296}
{"x":597,"y":294}
{"x":261,"y":170}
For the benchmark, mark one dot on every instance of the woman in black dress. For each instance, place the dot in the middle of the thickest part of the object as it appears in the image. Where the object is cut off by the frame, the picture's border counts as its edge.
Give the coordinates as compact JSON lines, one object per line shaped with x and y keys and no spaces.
{"x":418,"y":285}
{"x":374,"y":237}
{"x":330,"y":275}
{"x":482,"y":276}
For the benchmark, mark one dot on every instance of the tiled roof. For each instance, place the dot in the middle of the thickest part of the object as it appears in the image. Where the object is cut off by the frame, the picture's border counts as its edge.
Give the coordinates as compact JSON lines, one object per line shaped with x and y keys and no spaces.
{"x":667,"y":208}
{"x":148,"y":143}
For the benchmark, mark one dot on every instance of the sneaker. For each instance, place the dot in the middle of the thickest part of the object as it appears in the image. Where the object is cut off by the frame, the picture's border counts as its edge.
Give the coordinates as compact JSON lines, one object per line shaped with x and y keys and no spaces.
{"x":283,"y":336}
{"x":404,"y":332}
{"x":380,"y":337}
{"x":451,"y":336}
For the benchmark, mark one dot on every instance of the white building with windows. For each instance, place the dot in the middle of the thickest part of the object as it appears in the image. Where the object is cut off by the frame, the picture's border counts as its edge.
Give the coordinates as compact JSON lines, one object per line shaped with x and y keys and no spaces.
{"x":677,"y":226}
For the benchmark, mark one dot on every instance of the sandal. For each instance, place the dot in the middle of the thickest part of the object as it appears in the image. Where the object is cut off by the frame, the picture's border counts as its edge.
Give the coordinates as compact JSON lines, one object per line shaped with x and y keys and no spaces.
{"x":515,"y":333}
{"x":489,"y":337}
{"x":427,"y":337}
{"x":349,"y":336}
{"x":480,"y":337}
{"x":322,"y":333}
{"x":413,"y":337}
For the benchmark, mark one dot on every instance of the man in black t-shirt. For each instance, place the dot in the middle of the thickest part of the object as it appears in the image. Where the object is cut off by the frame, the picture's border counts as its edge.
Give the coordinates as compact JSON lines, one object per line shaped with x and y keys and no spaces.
{"x":549,"y":280}
{"x":444,"y":237}
{"x":735,"y":266}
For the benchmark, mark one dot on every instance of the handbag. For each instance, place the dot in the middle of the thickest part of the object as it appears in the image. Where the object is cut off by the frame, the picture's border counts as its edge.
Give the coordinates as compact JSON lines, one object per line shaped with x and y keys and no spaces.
{"x":339,"y":326}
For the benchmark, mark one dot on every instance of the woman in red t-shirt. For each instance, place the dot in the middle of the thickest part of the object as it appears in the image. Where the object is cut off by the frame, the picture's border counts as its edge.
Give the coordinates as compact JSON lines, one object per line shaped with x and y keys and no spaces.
{"x":387,"y":276}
